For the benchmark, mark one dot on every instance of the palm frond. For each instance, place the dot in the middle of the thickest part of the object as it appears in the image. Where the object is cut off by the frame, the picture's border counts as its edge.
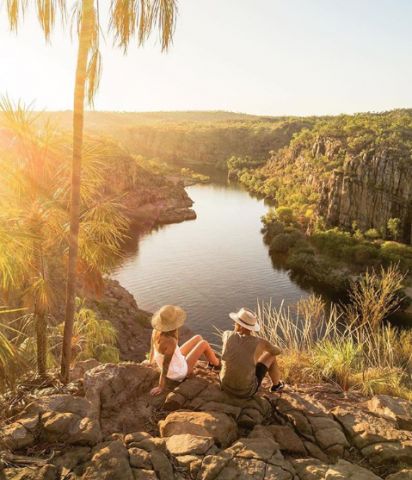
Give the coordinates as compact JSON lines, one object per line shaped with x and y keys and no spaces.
{"x":129,"y":18}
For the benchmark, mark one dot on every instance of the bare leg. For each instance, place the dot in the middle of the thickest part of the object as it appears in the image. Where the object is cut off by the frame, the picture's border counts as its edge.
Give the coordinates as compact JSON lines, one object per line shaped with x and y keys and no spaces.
{"x":201,"y":348}
{"x":273,"y":367}
{"x":190,"y":344}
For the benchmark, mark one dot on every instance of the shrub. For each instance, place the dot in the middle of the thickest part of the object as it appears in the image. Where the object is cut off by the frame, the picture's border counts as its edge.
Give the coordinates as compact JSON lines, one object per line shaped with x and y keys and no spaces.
{"x":333,"y":241}
{"x":374,"y":296}
{"x":274,"y":228}
{"x":285,"y":215}
{"x":372,"y":234}
{"x":303,"y":246}
{"x":282,"y":243}
{"x":364,"y":254}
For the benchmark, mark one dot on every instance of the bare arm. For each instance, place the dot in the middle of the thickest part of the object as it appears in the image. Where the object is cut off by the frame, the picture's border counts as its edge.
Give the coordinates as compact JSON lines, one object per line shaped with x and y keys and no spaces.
{"x":151,"y":353}
{"x":266,"y":347}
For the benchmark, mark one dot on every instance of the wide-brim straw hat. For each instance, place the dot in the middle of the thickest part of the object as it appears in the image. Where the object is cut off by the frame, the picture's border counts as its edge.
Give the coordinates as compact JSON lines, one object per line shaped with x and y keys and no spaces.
{"x":168,"y":318}
{"x":246,"y":318}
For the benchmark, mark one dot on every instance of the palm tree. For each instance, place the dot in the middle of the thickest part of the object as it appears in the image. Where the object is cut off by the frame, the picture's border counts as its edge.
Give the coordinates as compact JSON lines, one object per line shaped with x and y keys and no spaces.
{"x":34,"y":214}
{"x":128,"y":19}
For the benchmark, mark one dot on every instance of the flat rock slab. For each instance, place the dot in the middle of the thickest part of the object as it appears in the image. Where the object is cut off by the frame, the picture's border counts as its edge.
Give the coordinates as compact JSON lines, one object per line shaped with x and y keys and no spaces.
{"x":398,"y":410}
{"x":219,"y":426}
{"x":187,"y":444}
{"x":313,"y":469}
{"x":377,"y":438}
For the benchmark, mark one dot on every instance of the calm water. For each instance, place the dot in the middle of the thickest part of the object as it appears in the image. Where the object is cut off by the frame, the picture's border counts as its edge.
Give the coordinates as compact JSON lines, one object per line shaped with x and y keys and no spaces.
{"x":210,"y":266}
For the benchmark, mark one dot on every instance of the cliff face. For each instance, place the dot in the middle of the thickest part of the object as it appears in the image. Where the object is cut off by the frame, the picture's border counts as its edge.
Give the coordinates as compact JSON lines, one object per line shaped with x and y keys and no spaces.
{"x":369,"y":188}
{"x":346,"y":169}
{"x":148,"y":199}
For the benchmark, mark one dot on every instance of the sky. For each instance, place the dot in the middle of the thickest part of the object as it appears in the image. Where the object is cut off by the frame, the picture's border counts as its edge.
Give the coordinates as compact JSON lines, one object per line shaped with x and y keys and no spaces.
{"x":270,"y":57}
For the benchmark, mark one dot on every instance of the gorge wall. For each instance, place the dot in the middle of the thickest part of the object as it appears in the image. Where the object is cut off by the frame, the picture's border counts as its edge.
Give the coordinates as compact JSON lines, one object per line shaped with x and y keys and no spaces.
{"x":346,"y":169}
{"x":369,"y":189}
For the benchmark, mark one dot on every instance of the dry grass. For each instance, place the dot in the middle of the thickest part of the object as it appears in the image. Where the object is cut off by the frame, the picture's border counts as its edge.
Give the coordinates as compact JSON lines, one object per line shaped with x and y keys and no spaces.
{"x":338,"y":345}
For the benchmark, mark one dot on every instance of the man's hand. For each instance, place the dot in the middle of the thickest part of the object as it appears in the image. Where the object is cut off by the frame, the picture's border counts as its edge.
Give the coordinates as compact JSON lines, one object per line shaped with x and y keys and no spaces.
{"x":156,"y":391}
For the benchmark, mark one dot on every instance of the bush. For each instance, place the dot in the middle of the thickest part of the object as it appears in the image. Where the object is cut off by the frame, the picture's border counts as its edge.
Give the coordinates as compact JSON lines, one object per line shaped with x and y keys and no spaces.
{"x":303,"y":246}
{"x":372,"y":234}
{"x":274,"y":228}
{"x":332,"y":242}
{"x":282,"y":243}
{"x":285,"y":215}
{"x":364,"y":254}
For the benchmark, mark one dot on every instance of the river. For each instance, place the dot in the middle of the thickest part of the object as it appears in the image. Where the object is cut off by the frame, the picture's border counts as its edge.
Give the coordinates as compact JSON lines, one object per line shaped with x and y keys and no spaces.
{"x":209,"y":266}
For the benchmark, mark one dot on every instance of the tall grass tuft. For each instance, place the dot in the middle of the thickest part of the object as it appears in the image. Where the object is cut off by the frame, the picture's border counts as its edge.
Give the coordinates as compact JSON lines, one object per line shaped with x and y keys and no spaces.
{"x":350,"y":345}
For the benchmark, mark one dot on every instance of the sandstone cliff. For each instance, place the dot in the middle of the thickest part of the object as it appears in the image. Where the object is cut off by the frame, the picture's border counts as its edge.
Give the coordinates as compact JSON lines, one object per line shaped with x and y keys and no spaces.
{"x":346,"y":169}
{"x":369,"y":188}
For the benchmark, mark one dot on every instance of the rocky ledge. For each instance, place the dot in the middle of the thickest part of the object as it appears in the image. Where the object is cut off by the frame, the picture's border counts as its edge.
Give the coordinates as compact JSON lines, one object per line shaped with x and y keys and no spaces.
{"x":109,"y":427}
{"x":150,"y":206}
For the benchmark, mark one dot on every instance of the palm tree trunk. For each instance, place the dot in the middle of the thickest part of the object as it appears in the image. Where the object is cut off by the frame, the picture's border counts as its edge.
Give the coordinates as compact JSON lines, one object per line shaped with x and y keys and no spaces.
{"x":86,"y":31}
{"x":41,"y":339}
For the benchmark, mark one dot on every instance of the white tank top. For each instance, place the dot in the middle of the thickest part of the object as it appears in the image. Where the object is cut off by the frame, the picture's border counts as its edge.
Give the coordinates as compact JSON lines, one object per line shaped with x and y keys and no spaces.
{"x":178,"y":366}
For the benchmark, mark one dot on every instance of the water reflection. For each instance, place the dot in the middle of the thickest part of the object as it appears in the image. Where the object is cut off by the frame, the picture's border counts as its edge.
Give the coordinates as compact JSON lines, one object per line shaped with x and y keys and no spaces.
{"x":209,"y":266}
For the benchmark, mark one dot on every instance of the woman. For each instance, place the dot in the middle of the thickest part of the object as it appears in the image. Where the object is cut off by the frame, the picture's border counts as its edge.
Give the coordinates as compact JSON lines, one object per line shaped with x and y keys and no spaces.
{"x":175,"y":362}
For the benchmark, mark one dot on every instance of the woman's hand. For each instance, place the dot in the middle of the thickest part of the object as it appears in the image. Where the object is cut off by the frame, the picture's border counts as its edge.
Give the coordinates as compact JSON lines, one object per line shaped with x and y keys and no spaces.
{"x":156,"y":390}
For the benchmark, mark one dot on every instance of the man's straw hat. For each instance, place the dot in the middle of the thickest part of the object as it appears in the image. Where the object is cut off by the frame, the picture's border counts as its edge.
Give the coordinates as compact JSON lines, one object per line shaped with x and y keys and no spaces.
{"x":168,"y":318}
{"x":246,"y":318}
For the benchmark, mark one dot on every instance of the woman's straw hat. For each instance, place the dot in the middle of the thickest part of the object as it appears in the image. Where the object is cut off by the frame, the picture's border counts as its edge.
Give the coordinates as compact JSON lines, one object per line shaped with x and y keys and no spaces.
{"x":246,"y":318}
{"x":168,"y":318}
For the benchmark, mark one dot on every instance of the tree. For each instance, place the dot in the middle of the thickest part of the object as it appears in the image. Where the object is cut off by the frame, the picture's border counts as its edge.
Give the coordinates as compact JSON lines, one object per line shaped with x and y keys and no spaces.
{"x":128,"y":19}
{"x":34,"y":214}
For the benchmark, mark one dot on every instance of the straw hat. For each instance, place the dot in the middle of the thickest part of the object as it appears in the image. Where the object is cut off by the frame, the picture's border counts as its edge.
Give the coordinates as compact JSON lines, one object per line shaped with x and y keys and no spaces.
{"x":168,"y":318}
{"x":246,"y":318}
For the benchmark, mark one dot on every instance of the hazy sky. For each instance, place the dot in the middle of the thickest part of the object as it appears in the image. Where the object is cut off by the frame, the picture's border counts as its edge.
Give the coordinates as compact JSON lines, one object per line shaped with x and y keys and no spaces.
{"x":257,"y":56}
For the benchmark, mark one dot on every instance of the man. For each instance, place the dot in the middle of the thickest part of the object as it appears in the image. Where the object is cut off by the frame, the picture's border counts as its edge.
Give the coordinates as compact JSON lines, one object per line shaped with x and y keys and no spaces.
{"x":247,"y":358}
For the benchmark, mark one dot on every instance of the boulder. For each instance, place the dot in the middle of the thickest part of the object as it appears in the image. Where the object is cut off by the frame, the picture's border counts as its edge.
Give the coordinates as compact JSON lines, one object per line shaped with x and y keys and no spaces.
{"x":61,"y":404}
{"x":313,"y":469}
{"x":46,"y":472}
{"x":345,"y":470}
{"x":174,"y":401}
{"x":258,"y":448}
{"x":404,"y":474}
{"x":70,"y":428}
{"x":219,"y":426}
{"x":110,"y":461}
{"x":70,"y":457}
{"x":20,"y":434}
{"x":288,"y":440}
{"x":119,"y":395}
{"x":398,"y":410}
{"x":187,"y":444}
{"x":143,"y":474}
{"x":191,"y":387}
{"x":161,"y":465}
{"x":377,"y":438}
{"x":81,"y":367}
{"x":139,"y":458}
{"x":136,"y":437}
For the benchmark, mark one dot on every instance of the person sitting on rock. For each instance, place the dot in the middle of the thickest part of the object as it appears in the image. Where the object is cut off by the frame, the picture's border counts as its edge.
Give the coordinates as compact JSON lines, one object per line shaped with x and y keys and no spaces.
{"x":175,"y":362}
{"x":247,"y":358}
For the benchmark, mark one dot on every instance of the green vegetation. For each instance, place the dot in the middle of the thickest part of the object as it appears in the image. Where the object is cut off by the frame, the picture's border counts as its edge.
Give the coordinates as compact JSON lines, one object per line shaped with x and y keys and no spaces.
{"x":349,"y":346}
{"x":193,"y":139}
{"x":34,"y":213}
{"x":329,"y":257}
